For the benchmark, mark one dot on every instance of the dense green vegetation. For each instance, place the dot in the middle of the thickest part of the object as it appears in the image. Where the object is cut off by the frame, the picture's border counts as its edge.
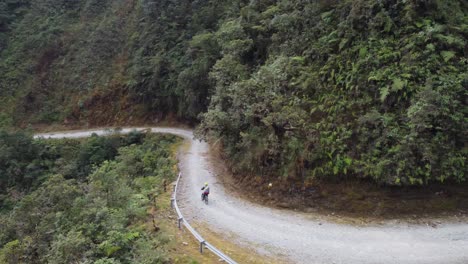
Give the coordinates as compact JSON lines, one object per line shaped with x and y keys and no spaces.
{"x":292,"y":89}
{"x":372,"y":89}
{"x":53,"y":212}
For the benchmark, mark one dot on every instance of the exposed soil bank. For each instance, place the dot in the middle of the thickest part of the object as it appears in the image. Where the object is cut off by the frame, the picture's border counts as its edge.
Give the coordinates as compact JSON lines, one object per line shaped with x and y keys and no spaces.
{"x":350,"y":199}
{"x":358,"y":199}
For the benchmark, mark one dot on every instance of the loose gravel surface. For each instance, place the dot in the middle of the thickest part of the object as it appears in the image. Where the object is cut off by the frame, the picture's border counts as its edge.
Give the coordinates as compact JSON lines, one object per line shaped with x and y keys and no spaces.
{"x":302,"y":238}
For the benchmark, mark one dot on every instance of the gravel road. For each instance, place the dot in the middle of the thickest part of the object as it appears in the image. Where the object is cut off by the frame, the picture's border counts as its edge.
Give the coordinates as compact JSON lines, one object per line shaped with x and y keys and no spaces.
{"x":301,"y":238}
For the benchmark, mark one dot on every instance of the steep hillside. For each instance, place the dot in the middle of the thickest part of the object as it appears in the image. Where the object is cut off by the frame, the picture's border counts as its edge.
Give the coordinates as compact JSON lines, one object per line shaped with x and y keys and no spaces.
{"x":101,"y":61}
{"x":293,"y":89}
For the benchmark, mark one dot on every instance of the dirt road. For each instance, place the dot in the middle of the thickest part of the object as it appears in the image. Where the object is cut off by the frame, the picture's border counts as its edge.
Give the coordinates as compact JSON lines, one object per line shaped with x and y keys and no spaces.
{"x":301,"y":238}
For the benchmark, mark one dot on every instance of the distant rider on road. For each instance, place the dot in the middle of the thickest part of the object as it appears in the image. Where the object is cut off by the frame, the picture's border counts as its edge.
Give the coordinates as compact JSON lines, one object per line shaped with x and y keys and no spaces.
{"x":206,"y":190}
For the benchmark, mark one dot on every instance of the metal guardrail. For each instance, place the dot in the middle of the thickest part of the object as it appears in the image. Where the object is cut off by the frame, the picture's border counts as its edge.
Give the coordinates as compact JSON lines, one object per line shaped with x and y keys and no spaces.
{"x":181,"y":221}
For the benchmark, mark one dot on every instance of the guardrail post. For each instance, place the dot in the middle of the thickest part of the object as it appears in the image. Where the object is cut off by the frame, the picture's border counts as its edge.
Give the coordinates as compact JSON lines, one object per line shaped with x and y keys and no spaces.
{"x":201,"y":246}
{"x":203,"y":243}
{"x":180,"y":222}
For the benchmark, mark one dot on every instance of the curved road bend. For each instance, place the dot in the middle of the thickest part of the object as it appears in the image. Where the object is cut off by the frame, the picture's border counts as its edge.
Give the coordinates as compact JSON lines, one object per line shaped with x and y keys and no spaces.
{"x":292,"y":234}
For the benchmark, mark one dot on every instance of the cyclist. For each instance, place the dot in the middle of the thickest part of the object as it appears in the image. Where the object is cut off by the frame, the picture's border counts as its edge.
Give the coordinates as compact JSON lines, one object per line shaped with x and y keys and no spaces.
{"x":206,"y":191}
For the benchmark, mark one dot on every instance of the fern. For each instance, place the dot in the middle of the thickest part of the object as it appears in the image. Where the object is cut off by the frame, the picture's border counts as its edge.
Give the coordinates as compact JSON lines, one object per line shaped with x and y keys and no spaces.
{"x":398,"y":84}
{"x":447,"y":55}
{"x":384,"y":92}
{"x":362,"y":52}
{"x":343,"y":44}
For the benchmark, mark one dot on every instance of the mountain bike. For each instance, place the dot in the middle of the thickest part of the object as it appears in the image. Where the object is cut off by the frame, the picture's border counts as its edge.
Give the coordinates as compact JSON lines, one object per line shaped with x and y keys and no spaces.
{"x":204,"y":198}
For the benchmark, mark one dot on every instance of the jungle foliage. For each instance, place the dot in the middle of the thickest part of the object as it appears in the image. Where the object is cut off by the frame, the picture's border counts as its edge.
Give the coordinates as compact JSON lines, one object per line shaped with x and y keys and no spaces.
{"x":338,"y":89}
{"x":52,"y":212}
{"x":295,"y":89}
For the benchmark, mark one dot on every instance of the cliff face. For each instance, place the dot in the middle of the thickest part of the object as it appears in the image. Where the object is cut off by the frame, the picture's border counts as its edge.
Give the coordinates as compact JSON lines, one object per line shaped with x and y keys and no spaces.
{"x":294,"y":89}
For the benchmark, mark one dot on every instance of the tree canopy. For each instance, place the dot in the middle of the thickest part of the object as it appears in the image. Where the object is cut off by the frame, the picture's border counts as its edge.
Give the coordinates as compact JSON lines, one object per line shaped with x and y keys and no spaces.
{"x":95,"y":215}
